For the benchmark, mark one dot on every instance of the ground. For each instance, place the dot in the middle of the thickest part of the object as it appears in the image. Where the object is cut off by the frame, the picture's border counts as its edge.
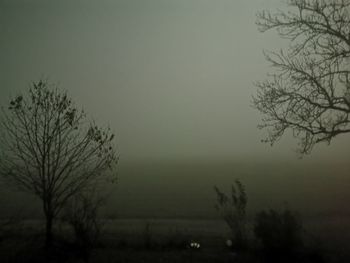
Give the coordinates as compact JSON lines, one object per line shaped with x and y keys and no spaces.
{"x":161,"y":240}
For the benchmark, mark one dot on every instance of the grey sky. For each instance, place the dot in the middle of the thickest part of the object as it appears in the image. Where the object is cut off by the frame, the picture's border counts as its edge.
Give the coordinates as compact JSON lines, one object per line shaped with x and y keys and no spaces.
{"x":174,"y":79}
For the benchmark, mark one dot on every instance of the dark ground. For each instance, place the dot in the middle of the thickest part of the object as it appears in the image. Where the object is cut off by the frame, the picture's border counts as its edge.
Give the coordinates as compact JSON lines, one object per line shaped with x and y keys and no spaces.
{"x":141,"y":240}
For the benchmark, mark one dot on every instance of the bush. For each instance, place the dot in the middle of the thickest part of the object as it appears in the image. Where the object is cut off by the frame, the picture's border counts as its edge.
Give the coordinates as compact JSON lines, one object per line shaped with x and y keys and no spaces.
{"x":233,"y":211}
{"x":280,"y":233}
{"x":82,"y":215}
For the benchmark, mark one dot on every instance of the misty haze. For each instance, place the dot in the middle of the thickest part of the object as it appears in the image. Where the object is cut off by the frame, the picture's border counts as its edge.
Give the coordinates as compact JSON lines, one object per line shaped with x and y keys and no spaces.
{"x":174,"y":131}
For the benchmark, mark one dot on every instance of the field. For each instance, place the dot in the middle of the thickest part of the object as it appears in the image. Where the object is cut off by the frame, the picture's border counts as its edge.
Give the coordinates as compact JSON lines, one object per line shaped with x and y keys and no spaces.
{"x":157,"y":209}
{"x":167,"y":240}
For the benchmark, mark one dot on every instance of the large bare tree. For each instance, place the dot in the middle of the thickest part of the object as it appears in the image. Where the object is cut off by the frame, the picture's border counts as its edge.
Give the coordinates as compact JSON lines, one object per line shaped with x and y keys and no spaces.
{"x":309,"y":91}
{"x":51,"y":149}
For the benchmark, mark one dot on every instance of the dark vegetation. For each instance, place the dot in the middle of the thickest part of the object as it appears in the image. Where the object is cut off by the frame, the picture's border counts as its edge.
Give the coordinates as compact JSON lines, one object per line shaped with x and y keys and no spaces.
{"x":81,"y":215}
{"x":276,"y":235}
{"x":233,"y":210}
{"x":50,"y":149}
{"x":82,"y":236}
{"x":278,"y":231}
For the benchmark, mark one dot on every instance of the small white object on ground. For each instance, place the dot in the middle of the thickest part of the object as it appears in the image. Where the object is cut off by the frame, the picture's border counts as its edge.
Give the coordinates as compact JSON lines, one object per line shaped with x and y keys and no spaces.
{"x":195,"y":245}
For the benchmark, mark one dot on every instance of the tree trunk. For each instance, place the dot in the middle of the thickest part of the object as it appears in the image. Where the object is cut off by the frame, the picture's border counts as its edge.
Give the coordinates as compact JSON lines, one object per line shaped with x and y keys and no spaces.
{"x":48,"y":233}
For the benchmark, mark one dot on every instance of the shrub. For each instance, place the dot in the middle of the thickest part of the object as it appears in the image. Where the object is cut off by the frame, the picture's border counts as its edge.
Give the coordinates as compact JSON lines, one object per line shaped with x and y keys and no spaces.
{"x":233,"y":211}
{"x":280,"y":232}
{"x":82,"y":215}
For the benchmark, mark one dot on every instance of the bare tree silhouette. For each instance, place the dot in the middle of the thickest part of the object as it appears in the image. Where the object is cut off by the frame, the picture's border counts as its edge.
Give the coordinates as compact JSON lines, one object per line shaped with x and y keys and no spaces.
{"x":50,"y":148}
{"x":309,"y":93}
{"x":233,"y":210}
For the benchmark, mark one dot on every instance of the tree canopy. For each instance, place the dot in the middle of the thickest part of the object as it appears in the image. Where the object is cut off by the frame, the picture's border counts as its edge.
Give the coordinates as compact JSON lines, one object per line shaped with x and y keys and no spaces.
{"x":51,"y":149}
{"x":309,"y":91}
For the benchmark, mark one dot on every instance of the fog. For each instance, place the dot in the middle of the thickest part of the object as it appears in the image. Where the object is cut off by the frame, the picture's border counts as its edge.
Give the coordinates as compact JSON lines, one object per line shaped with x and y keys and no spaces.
{"x":174,"y":80}
{"x":184,"y":189}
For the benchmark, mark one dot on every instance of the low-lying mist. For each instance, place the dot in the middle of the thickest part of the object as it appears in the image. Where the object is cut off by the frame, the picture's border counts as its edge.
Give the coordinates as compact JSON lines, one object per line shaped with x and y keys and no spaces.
{"x":184,"y":189}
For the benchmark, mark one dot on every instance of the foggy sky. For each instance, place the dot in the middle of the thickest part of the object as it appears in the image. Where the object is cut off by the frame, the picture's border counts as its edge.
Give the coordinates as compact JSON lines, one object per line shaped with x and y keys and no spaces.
{"x":174,"y":79}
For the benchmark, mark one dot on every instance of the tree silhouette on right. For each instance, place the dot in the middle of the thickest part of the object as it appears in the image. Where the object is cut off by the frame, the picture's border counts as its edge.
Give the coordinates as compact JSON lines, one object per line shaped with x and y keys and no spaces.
{"x":309,"y":91}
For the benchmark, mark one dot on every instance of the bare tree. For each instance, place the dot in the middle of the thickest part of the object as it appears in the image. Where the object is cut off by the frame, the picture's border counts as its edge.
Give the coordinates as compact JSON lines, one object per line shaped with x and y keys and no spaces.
{"x":50,"y":148}
{"x":309,"y":93}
